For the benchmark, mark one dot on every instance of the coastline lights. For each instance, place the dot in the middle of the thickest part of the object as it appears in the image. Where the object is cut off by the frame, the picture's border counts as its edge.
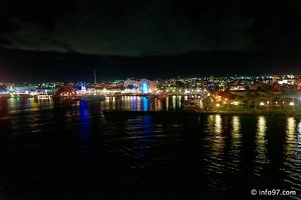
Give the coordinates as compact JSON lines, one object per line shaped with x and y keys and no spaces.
{"x":144,"y":87}
{"x":235,"y":103}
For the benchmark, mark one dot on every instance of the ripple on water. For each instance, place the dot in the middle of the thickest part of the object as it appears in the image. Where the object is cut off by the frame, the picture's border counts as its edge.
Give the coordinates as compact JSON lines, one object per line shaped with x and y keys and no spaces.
{"x":205,"y":156}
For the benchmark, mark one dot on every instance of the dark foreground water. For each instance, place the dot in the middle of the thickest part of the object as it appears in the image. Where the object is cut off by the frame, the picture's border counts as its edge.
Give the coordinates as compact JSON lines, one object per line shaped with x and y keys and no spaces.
{"x":75,"y":152}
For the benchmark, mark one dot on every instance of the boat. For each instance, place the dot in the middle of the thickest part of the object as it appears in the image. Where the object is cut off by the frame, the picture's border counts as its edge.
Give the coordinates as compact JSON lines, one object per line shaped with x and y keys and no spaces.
{"x":162,"y":96}
{"x":151,"y":96}
{"x":92,"y":98}
{"x":191,"y":103}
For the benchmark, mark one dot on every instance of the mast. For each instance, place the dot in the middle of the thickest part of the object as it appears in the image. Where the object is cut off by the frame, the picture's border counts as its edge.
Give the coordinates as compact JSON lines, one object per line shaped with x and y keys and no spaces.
{"x":94,"y":77}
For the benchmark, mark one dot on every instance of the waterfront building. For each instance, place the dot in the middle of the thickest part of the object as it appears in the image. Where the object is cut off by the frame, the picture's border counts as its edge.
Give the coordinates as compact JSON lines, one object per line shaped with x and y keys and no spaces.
{"x":141,"y":85}
{"x":25,"y":89}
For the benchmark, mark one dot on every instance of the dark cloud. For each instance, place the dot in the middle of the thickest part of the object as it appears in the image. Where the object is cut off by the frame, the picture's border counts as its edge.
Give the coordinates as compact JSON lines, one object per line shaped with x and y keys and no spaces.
{"x":157,"y":27}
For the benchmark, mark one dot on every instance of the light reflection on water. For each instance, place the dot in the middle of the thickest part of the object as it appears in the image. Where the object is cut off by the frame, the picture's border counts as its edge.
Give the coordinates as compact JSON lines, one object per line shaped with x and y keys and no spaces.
{"x":290,"y":137}
{"x":299,"y":136}
{"x":221,"y":154}
{"x":135,"y":103}
{"x":236,"y":142}
{"x":261,"y":141}
{"x":85,"y":121}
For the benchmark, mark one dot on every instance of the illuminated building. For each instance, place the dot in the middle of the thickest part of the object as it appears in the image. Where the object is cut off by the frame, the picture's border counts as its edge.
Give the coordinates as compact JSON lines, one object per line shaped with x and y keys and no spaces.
{"x":143,"y":85}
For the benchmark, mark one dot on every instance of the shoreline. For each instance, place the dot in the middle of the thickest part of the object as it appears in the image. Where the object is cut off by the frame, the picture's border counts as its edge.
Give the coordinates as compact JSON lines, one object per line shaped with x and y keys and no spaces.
{"x":230,"y":112}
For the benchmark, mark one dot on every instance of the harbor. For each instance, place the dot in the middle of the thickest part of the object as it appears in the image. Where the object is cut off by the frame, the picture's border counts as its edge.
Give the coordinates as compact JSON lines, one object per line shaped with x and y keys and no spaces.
{"x":145,"y":102}
{"x":133,"y":147}
{"x":150,"y":100}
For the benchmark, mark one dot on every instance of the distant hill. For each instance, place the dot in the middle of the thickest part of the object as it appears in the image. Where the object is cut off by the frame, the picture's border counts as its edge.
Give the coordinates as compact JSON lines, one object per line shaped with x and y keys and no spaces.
{"x":31,"y":66}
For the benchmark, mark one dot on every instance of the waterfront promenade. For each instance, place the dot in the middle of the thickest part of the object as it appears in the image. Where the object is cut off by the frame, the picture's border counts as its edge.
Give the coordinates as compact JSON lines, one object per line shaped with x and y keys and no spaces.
{"x":228,"y":112}
{"x":140,"y":104}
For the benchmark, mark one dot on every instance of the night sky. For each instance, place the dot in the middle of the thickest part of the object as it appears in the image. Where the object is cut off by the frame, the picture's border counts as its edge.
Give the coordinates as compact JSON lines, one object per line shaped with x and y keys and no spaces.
{"x":66,"y":40}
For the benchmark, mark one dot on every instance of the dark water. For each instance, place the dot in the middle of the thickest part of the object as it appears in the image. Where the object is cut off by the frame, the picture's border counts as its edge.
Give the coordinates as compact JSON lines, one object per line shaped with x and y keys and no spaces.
{"x":75,"y":152}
